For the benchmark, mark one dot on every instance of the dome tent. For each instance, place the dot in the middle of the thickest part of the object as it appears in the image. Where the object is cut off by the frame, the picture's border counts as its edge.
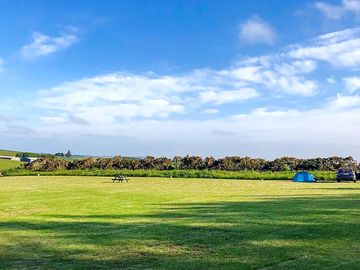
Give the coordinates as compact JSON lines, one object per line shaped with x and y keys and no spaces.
{"x":304,"y":177}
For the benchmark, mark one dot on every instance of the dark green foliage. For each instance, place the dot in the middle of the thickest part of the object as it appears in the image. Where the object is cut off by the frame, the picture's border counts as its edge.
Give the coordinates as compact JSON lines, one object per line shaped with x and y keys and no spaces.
{"x":233,"y":163}
{"x":29,"y":154}
{"x":48,"y":164}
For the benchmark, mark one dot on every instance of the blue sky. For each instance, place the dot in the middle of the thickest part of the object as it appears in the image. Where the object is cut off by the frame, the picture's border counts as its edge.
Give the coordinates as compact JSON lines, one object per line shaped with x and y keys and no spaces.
{"x":258,"y":78}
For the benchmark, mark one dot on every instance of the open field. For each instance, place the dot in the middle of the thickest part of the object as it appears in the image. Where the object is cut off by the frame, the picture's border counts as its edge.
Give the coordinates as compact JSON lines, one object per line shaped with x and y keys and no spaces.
{"x":8,"y":164}
{"x":7,"y":152}
{"x":13,"y":153}
{"x":150,"y":223}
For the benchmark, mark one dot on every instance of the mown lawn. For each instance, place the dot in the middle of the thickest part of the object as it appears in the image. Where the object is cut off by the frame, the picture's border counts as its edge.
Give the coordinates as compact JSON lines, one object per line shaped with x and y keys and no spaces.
{"x":149,"y":223}
{"x":8,"y":164}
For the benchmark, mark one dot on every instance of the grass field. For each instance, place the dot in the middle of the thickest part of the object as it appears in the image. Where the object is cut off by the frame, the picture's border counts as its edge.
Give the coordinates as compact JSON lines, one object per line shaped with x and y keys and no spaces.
{"x":150,"y":223}
{"x":8,"y":164}
{"x":7,"y":152}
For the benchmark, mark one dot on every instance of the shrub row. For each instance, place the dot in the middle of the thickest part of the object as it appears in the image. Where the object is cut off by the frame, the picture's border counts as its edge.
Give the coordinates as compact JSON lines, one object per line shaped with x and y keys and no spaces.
{"x":194,"y":163}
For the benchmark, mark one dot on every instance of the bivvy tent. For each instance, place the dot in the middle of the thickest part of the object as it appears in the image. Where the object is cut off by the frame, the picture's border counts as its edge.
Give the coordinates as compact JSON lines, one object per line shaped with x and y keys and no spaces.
{"x":304,"y":177}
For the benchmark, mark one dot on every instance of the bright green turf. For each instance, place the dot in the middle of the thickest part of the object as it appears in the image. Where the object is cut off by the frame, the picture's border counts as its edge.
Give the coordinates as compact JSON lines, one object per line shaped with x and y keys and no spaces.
{"x":7,"y":152}
{"x":8,"y":164}
{"x":149,"y":223}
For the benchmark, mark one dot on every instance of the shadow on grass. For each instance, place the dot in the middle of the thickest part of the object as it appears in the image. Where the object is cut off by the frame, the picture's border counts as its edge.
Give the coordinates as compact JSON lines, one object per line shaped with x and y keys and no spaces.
{"x":283,"y":233}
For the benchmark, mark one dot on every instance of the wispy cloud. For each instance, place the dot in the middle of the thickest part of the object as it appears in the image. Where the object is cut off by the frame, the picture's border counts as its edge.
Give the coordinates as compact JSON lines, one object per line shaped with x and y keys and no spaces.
{"x":262,"y":129}
{"x":167,"y":106}
{"x":110,"y":98}
{"x":1,"y":65}
{"x":336,"y":12}
{"x":331,"y":80}
{"x":344,"y":101}
{"x":211,"y":111}
{"x":278,"y":73}
{"x":352,"y":84}
{"x":256,"y":30}
{"x":222,"y":97}
{"x":42,"y":44}
{"x":341,"y":49}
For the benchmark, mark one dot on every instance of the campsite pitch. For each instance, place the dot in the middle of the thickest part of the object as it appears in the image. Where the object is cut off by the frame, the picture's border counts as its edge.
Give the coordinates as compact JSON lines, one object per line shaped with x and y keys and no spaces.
{"x":152,"y":223}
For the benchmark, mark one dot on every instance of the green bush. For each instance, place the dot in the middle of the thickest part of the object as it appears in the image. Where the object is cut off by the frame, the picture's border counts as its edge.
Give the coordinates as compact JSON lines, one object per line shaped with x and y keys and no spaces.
{"x":217,"y":174}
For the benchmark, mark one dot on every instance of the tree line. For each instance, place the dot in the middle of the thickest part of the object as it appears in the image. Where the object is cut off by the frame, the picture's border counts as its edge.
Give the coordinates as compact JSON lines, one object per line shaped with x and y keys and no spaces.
{"x":232,"y":163}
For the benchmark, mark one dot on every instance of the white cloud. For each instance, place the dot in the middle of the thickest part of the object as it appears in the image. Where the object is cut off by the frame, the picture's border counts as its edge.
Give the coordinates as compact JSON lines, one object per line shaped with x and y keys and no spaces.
{"x":336,"y":12}
{"x":331,"y":11}
{"x":211,"y":111}
{"x":296,"y":67}
{"x":104,"y":99}
{"x":110,"y":98}
{"x":285,"y":71}
{"x":256,"y":30}
{"x":278,"y":73}
{"x":341,"y":49}
{"x":136,"y":104}
{"x":228,"y":96}
{"x":42,"y":45}
{"x":352,"y":84}
{"x":261,"y":133}
{"x":331,"y":80}
{"x":342,"y":101}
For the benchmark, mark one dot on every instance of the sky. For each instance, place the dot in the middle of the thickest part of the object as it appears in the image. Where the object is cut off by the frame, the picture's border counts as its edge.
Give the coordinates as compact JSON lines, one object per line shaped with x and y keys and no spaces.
{"x":254,"y":78}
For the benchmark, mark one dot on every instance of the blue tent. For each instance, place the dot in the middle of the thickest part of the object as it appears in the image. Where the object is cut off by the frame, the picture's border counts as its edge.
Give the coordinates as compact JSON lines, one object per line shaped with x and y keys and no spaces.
{"x":304,"y":177}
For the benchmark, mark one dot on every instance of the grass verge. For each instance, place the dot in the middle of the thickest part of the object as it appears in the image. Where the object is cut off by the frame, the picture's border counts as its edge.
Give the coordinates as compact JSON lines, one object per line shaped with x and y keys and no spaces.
{"x":250,"y":175}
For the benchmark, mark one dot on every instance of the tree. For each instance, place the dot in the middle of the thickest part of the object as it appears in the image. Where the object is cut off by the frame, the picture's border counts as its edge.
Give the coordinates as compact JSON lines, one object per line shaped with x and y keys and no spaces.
{"x":162,"y":163}
{"x":148,"y":163}
{"x":177,"y":162}
{"x":209,"y":162}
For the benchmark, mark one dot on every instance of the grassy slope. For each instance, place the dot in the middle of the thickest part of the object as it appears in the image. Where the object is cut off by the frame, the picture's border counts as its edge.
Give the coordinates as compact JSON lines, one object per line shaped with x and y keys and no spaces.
{"x":8,"y":164}
{"x":7,"y":152}
{"x":13,"y":153}
{"x":92,"y":223}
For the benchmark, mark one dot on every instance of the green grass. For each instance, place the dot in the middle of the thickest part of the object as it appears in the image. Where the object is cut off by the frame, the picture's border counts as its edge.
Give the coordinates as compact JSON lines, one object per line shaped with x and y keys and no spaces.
{"x":7,"y":152}
{"x":151,"y":223}
{"x":13,"y":153}
{"x":250,"y":175}
{"x":8,"y":164}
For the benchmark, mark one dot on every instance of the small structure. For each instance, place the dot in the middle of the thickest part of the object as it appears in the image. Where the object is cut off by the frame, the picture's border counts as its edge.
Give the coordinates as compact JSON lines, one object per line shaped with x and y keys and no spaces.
{"x":28,"y":159}
{"x":10,"y":158}
{"x":304,"y":177}
{"x":120,"y":178}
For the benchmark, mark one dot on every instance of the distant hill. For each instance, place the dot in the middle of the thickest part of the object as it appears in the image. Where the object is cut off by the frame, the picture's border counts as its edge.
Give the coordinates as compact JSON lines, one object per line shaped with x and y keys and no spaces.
{"x":28,"y":154}
{"x":73,"y":157}
{"x":7,"y":153}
